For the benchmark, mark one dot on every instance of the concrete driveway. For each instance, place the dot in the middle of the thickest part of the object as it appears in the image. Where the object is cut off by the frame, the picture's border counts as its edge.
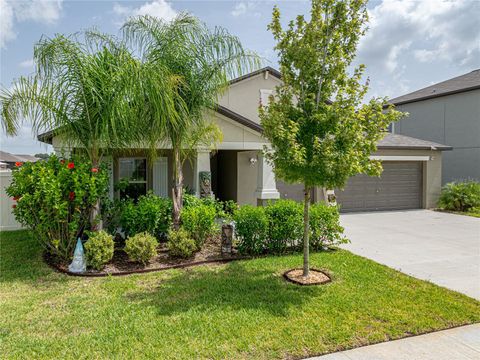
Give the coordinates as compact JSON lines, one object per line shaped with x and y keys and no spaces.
{"x":439,"y":247}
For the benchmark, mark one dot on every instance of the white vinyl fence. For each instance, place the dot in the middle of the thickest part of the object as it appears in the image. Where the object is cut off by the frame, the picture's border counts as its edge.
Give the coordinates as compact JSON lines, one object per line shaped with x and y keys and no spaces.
{"x":7,"y":220}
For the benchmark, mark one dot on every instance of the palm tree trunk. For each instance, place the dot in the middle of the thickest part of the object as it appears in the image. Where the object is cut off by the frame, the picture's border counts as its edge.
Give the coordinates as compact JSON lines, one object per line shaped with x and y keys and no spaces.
{"x":177,"y":191}
{"x":306,"y":232}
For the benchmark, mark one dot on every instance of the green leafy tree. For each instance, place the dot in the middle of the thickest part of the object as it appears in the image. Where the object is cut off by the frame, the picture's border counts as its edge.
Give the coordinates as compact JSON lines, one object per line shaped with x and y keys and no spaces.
{"x":88,"y":89}
{"x":203,"y":61}
{"x":320,"y":130}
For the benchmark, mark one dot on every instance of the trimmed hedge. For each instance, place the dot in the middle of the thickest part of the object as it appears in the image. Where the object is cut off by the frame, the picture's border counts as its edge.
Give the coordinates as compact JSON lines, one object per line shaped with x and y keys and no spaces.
{"x":199,"y":222}
{"x":99,"y":249}
{"x":141,"y":247}
{"x":180,"y":244}
{"x":278,"y":227}
{"x":151,"y":214}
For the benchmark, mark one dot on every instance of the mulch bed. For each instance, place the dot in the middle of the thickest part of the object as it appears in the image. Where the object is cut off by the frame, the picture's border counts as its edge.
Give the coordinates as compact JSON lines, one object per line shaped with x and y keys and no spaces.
{"x":315,"y":277}
{"x":121,"y":265}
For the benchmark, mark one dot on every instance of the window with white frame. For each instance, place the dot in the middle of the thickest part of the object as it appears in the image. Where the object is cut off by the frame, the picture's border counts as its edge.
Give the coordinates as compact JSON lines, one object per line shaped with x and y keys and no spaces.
{"x":133,"y":174}
{"x":265,"y":96}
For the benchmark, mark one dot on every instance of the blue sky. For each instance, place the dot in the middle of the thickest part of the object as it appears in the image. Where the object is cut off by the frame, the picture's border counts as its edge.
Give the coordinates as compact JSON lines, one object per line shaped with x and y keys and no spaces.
{"x":410,"y":44}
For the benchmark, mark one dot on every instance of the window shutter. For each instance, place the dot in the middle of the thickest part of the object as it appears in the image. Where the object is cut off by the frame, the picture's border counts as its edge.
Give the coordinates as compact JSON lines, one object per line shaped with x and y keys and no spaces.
{"x":109,"y":161}
{"x":160,"y":177}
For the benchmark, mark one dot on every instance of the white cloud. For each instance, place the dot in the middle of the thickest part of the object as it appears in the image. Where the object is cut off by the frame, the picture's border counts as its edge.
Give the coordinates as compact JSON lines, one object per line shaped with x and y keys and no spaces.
{"x":6,"y":23}
{"x":11,"y":12}
{"x":403,"y":35}
{"x":27,"y":63}
{"x":158,"y":8}
{"x":23,"y":143}
{"x":243,"y":8}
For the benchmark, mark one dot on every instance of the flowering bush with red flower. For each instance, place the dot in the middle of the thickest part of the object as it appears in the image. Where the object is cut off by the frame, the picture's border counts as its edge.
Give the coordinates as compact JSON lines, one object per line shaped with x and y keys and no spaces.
{"x":55,"y":200}
{"x":18,"y":164}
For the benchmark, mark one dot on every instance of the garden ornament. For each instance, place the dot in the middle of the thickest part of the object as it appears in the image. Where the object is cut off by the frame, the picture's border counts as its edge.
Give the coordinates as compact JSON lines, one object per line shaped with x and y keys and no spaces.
{"x":79,"y":263}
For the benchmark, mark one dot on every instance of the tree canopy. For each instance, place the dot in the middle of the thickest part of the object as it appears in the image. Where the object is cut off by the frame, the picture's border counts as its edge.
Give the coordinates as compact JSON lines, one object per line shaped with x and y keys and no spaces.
{"x":321,"y":132}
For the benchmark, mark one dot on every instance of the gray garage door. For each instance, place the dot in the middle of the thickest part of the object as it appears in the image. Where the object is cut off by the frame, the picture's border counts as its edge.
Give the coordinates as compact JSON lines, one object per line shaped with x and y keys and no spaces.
{"x":399,"y":187}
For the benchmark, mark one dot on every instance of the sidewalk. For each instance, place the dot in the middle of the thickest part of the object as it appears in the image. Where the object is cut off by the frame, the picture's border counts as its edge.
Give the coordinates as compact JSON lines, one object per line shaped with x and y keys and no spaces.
{"x":453,"y":344}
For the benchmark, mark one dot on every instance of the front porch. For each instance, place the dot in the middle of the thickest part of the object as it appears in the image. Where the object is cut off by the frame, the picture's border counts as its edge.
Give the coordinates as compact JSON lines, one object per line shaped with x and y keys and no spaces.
{"x":240,"y":175}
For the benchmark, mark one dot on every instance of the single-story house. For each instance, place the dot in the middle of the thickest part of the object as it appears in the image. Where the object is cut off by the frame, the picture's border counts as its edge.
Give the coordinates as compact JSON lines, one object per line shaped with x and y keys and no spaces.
{"x":447,"y":112}
{"x":11,"y":159}
{"x":411,"y":178}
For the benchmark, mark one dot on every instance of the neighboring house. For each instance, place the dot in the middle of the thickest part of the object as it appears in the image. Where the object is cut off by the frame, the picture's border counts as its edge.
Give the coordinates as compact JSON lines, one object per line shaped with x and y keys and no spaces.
{"x":10,"y":159}
{"x":448,"y":113}
{"x":411,"y":179}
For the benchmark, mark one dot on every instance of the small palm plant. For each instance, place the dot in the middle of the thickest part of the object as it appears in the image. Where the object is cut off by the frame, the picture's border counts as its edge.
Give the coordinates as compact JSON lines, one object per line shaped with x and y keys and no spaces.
{"x":90,"y":90}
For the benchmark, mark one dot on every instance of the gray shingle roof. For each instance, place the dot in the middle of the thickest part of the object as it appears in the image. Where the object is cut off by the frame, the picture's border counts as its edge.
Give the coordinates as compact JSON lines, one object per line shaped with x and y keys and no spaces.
{"x":7,"y":157}
{"x":465,"y":82}
{"x":395,"y":141}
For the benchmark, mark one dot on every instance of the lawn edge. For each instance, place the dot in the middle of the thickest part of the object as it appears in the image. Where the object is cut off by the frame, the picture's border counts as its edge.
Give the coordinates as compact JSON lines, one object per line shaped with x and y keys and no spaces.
{"x":386,"y":341}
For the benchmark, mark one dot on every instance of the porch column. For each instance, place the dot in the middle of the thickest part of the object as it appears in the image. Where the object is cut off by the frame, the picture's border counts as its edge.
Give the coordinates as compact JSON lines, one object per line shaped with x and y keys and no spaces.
{"x":266,"y":184}
{"x":202,"y":165}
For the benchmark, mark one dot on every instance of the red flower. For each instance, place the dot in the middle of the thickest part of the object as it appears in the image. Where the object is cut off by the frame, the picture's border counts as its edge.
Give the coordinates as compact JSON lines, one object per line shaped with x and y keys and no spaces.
{"x":14,"y":206}
{"x":62,"y":162}
{"x":71,"y":196}
{"x":94,"y":170}
{"x":71,"y":165}
{"x":15,"y":198}
{"x":18,"y":164}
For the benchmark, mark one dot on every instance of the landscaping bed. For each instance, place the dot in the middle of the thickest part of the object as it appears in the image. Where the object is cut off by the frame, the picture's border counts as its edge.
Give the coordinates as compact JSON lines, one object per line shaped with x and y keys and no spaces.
{"x":243,"y":309}
{"x":122,"y":265}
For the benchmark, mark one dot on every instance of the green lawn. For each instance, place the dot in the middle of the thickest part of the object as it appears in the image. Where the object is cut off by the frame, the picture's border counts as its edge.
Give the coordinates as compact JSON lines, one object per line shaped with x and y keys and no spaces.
{"x":239,"y":310}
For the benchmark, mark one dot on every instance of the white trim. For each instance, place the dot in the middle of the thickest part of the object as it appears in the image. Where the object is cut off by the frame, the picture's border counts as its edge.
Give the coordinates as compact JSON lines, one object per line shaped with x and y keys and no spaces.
{"x":399,"y":158}
{"x":241,"y":145}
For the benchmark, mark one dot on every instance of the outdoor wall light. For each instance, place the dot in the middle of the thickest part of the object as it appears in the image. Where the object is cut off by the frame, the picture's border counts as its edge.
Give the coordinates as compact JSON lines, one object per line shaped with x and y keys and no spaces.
{"x":253,"y":160}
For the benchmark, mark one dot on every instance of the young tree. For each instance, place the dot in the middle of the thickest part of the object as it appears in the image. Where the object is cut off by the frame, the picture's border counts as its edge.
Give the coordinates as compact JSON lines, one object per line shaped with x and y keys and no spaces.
{"x":320,"y":130}
{"x":89,"y":89}
{"x":203,"y":61}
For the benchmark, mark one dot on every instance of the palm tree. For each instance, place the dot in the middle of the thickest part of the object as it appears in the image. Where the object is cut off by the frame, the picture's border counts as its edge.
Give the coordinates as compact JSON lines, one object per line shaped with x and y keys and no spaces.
{"x":90,"y":89}
{"x":203,"y":60}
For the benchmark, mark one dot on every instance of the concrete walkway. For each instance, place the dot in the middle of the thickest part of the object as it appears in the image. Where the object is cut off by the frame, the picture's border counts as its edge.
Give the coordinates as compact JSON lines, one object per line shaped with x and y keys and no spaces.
{"x":453,"y":344}
{"x":440,"y":247}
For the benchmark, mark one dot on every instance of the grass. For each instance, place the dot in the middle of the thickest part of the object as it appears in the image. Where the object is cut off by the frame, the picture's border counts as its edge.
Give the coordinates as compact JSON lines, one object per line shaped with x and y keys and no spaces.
{"x":466,"y":213}
{"x":239,"y":310}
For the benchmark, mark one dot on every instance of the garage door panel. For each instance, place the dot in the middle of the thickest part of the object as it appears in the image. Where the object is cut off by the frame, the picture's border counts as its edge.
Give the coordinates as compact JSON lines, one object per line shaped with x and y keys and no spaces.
{"x":399,"y":187}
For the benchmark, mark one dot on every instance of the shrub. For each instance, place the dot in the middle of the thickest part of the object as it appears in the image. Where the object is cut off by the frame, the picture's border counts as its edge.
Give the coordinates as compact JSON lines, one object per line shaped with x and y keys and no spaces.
{"x":460,"y":196}
{"x":54,"y":199}
{"x":141,"y":247}
{"x":180,"y":244}
{"x":199,"y":221}
{"x":99,"y":249}
{"x":285,"y":225}
{"x":151,"y":214}
{"x":325,"y":228}
{"x":251,"y":228}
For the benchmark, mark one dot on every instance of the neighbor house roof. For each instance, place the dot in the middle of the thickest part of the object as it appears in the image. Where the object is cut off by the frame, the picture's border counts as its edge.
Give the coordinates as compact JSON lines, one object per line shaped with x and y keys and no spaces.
{"x":462,"y":83}
{"x":395,"y":141}
{"x":9,"y":158}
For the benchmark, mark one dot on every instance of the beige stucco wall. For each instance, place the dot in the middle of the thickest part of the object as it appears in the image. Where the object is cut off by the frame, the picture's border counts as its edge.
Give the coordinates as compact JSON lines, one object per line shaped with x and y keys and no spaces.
{"x":244,"y":97}
{"x":247,"y":178}
{"x":432,"y":172}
